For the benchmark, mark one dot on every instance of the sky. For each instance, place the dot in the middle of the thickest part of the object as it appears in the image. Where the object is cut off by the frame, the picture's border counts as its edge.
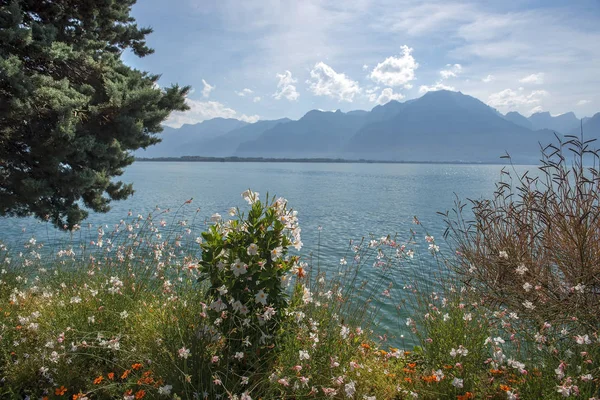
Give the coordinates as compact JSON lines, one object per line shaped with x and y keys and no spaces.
{"x":269,"y":59}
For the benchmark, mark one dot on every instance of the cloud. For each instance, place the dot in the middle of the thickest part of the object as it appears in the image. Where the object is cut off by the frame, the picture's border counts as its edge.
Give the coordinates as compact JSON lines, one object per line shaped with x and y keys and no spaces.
{"x":249,"y":118}
{"x":365,"y":67}
{"x":583,"y":102}
{"x":324,"y":81}
{"x":256,"y":99}
{"x":286,"y":87}
{"x":488,"y":79}
{"x":533,"y":78}
{"x":452,"y":71}
{"x":244,"y":92}
{"x":207,"y":89}
{"x":202,"y":110}
{"x":396,"y":71}
{"x":438,"y":86}
{"x":535,"y":109}
{"x":508,"y":99}
{"x":388,"y":95}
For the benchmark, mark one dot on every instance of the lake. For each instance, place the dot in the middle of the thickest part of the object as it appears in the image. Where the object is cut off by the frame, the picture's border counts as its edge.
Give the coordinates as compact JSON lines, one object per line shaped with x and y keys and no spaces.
{"x":348,"y":201}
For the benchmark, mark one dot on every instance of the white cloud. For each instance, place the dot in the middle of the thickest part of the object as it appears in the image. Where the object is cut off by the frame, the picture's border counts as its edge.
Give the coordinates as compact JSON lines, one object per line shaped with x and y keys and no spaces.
{"x":326,"y":82}
{"x":583,"y":102}
{"x":438,"y":86}
{"x":244,"y":92}
{"x":202,"y":110}
{"x":365,"y":67}
{"x":207,"y":89}
{"x":536,"y":109}
{"x":533,"y":78}
{"x":388,"y":95}
{"x":452,"y":71}
{"x":256,"y":99}
{"x":396,"y":71}
{"x":286,"y":87}
{"x":488,"y":79}
{"x":249,"y":118}
{"x":508,"y":99}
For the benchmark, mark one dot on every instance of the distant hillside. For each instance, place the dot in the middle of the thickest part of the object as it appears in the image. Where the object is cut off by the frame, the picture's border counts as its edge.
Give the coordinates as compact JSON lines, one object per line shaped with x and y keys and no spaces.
{"x":440,"y":126}
{"x":316,"y":134}
{"x":591,"y":129}
{"x":445,"y":126}
{"x":563,"y":123}
{"x":187,"y":139}
{"x":518,"y":119}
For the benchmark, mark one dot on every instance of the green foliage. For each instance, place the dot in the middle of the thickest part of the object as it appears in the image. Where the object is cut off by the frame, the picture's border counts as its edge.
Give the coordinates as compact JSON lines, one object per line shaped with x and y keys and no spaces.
{"x":70,"y":111}
{"x":245,"y":261}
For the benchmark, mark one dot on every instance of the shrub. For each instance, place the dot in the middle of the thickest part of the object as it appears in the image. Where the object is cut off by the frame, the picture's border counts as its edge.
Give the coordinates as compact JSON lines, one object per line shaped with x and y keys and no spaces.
{"x":534,"y":248}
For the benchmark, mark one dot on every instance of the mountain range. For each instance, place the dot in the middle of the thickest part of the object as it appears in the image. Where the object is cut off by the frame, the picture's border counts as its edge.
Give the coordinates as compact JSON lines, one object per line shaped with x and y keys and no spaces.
{"x":439,"y":126}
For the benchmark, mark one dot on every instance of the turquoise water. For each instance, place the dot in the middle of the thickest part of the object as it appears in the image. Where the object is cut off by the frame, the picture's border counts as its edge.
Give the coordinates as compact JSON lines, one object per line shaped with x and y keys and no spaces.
{"x":349,"y":201}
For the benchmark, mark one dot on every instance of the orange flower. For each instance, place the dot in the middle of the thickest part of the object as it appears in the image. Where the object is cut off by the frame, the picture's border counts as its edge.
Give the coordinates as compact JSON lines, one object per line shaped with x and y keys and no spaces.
{"x":140,"y":394}
{"x":300,"y":272}
{"x":429,"y":378}
{"x":365,"y":346}
{"x":412,"y":365}
{"x":504,"y":388}
{"x":496,"y":371}
{"x":128,"y":392}
{"x":407,"y":379}
{"x":448,"y":366}
{"x":383,"y":352}
{"x":125,"y":374}
{"x":78,"y":396}
{"x":111,"y":375}
{"x":60,"y":391}
{"x":465,"y":396}
{"x":98,"y":380}
{"x":136,"y":366}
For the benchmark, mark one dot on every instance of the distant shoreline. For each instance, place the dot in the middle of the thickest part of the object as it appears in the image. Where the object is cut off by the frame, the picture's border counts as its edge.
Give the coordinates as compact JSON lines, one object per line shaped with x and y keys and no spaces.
{"x":305,"y":160}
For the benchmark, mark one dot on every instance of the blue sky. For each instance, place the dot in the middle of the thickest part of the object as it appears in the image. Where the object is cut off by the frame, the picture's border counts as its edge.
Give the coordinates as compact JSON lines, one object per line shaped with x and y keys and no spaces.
{"x":268,"y":59}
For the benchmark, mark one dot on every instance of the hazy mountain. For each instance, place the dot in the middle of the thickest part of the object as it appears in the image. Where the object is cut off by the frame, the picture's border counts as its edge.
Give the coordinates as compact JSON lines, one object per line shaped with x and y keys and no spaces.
{"x":518,"y":119}
{"x":563,"y":123}
{"x":591,"y":129}
{"x":316,"y":134}
{"x":439,"y":126}
{"x":445,"y":126}
{"x":187,"y":139}
{"x":226,"y":144}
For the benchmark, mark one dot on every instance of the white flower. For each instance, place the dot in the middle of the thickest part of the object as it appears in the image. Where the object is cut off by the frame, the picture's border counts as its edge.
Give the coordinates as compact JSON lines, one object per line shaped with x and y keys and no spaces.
{"x":587,"y":378}
{"x":166,"y":390}
{"x":183,"y":353}
{"x":434,"y":248}
{"x":510,"y":395}
{"x":446,"y":317}
{"x":252,"y":249}
{"x":216,"y":217}
{"x":585,"y":339}
{"x":503,"y":254}
{"x":261,"y":297}
{"x":579,"y":288}
{"x":528,"y":304}
{"x":276,"y":253}
{"x":245,"y":396}
{"x":222,"y":290}
{"x":350,"y":389}
{"x":564,"y":390}
{"x":250,"y":196}
{"x":439,"y":375}
{"x":527,"y":286}
{"x":218,"y":305}
{"x":124,"y":314}
{"x":521,"y":269}
{"x":457,"y":383}
{"x":269,"y":313}
{"x":303,"y":355}
{"x":343,"y":261}
{"x":239,"y":268}
{"x":468,"y":317}
{"x":238,"y":355}
{"x":344,"y":332}
{"x":75,"y":300}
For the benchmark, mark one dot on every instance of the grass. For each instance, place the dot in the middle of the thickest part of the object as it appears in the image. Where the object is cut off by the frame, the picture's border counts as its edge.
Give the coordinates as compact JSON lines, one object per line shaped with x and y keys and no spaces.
{"x":127,"y":317}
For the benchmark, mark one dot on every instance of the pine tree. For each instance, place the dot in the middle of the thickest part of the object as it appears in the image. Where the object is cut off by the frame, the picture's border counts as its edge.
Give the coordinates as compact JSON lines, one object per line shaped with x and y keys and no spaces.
{"x":71,"y":112}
